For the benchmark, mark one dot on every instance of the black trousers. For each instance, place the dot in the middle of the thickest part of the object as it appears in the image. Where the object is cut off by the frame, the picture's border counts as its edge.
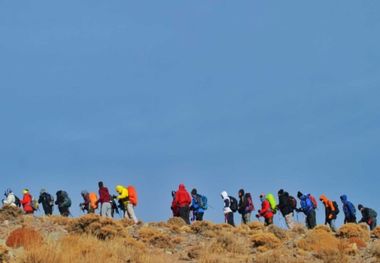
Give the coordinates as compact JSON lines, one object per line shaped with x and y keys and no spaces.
{"x":230,"y":218}
{"x":184,"y":213}
{"x":311,"y":220}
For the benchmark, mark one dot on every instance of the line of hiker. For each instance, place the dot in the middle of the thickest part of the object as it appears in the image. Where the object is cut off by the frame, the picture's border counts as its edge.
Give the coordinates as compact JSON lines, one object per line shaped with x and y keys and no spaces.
{"x":183,"y":204}
{"x":192,"y":207}
{"x":125,"y":201}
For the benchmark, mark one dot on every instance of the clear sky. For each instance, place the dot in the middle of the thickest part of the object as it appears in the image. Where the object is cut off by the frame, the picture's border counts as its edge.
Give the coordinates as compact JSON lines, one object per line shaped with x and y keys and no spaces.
{"x":218,"y":95}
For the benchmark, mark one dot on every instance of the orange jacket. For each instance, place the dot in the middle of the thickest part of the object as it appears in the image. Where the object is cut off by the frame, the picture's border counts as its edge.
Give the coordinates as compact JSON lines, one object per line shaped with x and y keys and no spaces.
{"x":329,"y":206}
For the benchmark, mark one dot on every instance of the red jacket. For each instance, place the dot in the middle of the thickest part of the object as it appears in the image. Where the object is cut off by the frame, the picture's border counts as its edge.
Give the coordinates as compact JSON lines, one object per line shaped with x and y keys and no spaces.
{"x":27,"y":203}
{"x":182,"y":197}
{"x":266,"y":210}
{"x":104,"y":195}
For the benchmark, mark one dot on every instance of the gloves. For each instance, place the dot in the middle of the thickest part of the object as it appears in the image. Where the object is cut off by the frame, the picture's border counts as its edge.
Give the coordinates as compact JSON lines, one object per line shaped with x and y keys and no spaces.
{"x":257,"y":216}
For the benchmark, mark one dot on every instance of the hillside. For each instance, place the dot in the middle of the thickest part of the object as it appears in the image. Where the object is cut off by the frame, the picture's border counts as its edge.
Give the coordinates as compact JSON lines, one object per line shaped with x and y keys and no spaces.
{"x":93,"y":239}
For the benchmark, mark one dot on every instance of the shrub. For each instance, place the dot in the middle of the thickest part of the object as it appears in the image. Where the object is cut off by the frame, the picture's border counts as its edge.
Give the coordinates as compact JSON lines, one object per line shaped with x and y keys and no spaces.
{"x":376,"y":232}
{"x":24,"y":237}
{"x":264,"y":239}
{"x":282,"y":234}
{"x":10,"y":213}
{"x":4,"y":254}
{"x":375,"y":249}
{"x":357,"y":231}
{"x":155,"y":237}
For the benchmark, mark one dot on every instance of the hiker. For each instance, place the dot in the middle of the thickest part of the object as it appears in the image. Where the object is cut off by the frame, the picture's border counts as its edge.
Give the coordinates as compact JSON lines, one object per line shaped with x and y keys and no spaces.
{"x":349,"y":210}
{"x":308,"y":206}
{"x":124,"y":199}
{"x":198,"y":205}
{"x":106,"y":204}
{"x":87,"y":204}
{"x":286,"y":205}
{"x":331,"y":211}
{"x":47,"y":202}
{"x":27,"y":202}
{"x":174,"y":207}
{"x":63,"y":202}
{"x":369,"y":216}
{"x":245,"y":206}
{"x":229,"y":208}
{"x":10,"y":198}
{"x":182,"y":199}
{"x":265,"y":211}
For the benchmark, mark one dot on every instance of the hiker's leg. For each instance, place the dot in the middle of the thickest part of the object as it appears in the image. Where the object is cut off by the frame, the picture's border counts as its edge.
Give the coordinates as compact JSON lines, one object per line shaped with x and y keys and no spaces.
{"x":108,"y":210}
{"x":230,"y":219}
{"x":131,"y":213}
{"x":199,"y":217}
{"x":313,"y":220}
{"x":247,"y":218}
{"x":289,"y":220}
{"x":332,"y":225}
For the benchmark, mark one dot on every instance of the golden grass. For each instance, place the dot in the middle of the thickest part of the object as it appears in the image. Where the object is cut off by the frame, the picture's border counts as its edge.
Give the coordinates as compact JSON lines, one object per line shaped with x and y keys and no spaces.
{"x":358,"y":231}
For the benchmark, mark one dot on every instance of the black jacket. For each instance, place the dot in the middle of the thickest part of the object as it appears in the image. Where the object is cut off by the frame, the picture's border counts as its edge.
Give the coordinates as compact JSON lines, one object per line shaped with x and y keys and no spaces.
{"x":243,"y":203}
{"x":368,"y":215}
{"x":284,"y":204}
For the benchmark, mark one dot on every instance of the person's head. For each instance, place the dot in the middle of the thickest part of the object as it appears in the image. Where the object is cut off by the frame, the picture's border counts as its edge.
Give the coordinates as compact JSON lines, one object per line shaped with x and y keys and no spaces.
{"x":194,"y":192}
{"x":343,"y":198}
{"x":241,"y":192}
{"x":25,"y":191}
{"x":262,"y":197}
{"x":280,"y":192}
{"x":100,"y":184}
{"x":299,"y":194}
{"x":224,"y":195}
{"x":42,"y":191}
{"x":323,"y":199}
{"x":173,"y":193}
{"x":119,"y":188}
{"x":84,"y":193}
{"x":360,"y":207}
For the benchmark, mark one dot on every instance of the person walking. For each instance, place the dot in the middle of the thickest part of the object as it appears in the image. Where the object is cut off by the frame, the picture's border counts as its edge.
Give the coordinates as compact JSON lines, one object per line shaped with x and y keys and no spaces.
{"x":349,"y":210}
{"x":125,"y":199}
{"x":331,"y":211}
{"x":10,"y":198}
{"x":245,"y":206}
{"x":182,"y":200}
{"x":369,"y":216}
{"x":63,"y":202}
{"x":47,"y":202}
{"x":228,"y":210}
{"x":198,"y":205}
{"x":105,"y":201}
{"x":286,"y":205}
{"x":308,"y":207}
{"x":27,"y":202}
{"x":265,"y":211}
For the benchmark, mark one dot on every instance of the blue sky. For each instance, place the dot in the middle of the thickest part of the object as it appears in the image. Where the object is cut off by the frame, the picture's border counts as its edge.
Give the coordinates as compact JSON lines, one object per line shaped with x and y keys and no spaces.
{"x":218,"y":95}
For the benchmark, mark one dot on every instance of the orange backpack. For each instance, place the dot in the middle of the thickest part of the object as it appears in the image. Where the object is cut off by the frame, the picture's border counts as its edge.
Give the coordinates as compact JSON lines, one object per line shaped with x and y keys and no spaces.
{"x":132,"y":194}
{"x":93,"y":200}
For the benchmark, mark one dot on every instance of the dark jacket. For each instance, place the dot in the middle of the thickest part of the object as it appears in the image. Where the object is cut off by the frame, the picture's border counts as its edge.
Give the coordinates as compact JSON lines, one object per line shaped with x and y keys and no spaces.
{"x":47,"y":201}
{"x":243,"y":203}
{"x":368,"y":215}
{"x":285,"y":204}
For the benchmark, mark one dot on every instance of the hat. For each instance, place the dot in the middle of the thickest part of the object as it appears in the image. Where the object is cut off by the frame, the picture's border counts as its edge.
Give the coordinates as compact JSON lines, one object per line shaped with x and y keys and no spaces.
{"x":299,"y":194}
{"x":100,"y":184}
{"x":25,"y":191}
{"x":281,"y":192}
{"x":360,"y":207}
{"x":194,"y":191}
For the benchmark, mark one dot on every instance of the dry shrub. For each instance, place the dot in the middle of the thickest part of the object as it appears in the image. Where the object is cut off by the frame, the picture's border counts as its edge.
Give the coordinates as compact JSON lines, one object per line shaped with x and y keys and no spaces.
{"x":89,"y":249}
{"x":100,"y":227}
{"x":280,"y":255}
{"x":200,"y":227}
{"x":155,"y":237}
{"x":376,"y":232}
{"x":265,"y":240}
{"x":323,"y":244}
{"x":60,"y":220}
{"x":24,"y":237}
{"x":375,"y":249}
{"x":282,"y":234}
{"x":324,"y":228}
{"x":358,"y":242}
{"x":256,"y":226}
{"x":357,"y":231}
{"x":125,"y":223}
{"x":228,"y":242}
{"x":4,"y":254}
{"x":298,"y":229}
{"x":10,"y":213}
{"x":176,"y":221}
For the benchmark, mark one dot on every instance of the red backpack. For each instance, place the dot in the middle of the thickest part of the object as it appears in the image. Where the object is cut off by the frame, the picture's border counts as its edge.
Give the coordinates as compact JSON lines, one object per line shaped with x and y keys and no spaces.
{"x":313,"y":200}
{"x":132,"y":194}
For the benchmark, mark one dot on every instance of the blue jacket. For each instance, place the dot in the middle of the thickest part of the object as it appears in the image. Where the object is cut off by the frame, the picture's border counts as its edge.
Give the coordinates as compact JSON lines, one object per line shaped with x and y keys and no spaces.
{"x":348,"y":208}
{"x":306,"y":205}
{"x":195,"y":206}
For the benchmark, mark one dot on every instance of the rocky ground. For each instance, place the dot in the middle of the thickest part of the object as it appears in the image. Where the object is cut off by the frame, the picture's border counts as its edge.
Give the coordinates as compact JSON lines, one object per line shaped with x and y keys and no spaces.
{"x":94,"y":239}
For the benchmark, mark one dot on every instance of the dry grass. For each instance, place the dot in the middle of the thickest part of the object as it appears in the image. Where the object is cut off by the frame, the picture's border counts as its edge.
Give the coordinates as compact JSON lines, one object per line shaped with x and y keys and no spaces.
{"x":376,"y":232}
{"x":4,"y":254}
{"x":156,"y":237}
{"x":375,"y":249}
{"x":10,"y":213}
{"x":100,"y":227}
{"x":24,"y":237}
{"x":89,"y":249}
{"x":265,"y":241}
{"x":358,"y":231}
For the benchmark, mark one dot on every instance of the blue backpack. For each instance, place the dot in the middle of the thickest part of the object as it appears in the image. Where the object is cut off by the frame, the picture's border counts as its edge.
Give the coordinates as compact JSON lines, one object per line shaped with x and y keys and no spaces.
{"x":203,"y":202}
